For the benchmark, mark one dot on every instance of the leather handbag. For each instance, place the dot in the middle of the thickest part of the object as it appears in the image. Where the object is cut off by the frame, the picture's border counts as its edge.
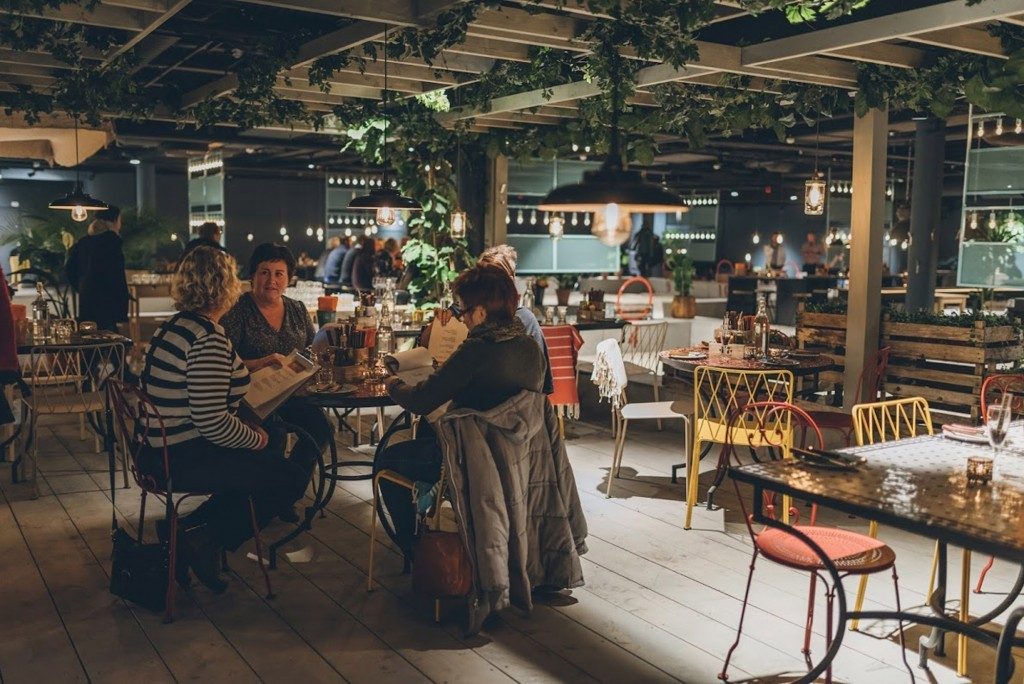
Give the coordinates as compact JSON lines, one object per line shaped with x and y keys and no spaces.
{"x":442,"y":568}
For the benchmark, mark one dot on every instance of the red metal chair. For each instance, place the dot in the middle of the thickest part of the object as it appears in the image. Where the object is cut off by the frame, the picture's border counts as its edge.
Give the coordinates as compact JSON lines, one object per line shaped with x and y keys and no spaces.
{"x":136,"y":421}
{"x":853,"y":553}
{"x":839,"y":420}
{"x":998,"y":386}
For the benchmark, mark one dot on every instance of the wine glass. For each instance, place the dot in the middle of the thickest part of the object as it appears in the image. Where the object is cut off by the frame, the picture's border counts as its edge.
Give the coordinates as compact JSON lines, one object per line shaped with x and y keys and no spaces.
{"x":997,"y":420}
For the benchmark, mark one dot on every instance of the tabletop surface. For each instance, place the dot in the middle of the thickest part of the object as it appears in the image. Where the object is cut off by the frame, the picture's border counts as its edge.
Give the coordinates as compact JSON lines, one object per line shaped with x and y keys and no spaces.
{"x":75,"y":341}
{"x":917,"y":484}
{"x":802,"y":365}
{"x":363,"y":394}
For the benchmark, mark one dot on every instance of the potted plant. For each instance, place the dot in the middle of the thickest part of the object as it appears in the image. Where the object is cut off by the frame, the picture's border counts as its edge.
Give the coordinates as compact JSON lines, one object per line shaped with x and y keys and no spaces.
{"x":566,"y":284}
{"x":684,"y":305}
{"x":539,"y":286}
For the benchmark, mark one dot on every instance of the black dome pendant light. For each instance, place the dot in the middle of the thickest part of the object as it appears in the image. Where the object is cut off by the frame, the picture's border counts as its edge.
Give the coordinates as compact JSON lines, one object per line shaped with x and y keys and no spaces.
{"x":78,"y":202}
{"x":385,"y":200}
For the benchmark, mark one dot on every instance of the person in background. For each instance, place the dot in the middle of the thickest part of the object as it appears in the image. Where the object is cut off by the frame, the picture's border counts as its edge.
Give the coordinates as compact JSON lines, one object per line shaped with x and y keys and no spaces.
{"x":95,"y":268}
{"x":264,"y":327}
{"x":333,"y":256}
{"x":349,"y":260}
{"x":386,"y":261}
{"x":197,"y":382}
{"x":207,"y":235}
{"x":363,"y":265}
{"x":813,"y":252}
{"x":496,"y":362}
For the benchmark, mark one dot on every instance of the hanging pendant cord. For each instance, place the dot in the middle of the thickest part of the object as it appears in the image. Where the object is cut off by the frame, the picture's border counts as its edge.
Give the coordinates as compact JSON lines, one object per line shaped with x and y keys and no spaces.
{"x":384,"y":143}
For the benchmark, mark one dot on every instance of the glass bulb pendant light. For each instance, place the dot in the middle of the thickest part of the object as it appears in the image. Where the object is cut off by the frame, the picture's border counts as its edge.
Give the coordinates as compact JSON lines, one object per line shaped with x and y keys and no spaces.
{"x":385,"y":200}
{"x":458,"y":224}
{"x":458,"y":219}
{"x":78,"y":202}
{"x":556,"y":226}
{"x":614,"y":192}
{"x":814,"y":188}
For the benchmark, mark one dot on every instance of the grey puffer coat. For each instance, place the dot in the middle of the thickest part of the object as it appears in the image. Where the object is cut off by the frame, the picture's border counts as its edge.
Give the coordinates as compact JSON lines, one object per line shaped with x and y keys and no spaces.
{"x":515,"y":499}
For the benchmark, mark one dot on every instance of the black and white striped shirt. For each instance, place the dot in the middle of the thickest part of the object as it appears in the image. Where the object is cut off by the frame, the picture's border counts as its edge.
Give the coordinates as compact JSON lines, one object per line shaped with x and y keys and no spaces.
{"x":196,"y":381}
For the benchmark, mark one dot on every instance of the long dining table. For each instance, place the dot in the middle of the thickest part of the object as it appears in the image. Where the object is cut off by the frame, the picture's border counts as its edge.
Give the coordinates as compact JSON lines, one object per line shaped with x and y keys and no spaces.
{"x":918,"y":485}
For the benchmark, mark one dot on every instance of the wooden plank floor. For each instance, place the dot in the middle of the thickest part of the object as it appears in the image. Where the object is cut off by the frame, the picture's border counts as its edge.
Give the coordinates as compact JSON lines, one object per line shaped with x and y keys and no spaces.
{"x":660,"y":603}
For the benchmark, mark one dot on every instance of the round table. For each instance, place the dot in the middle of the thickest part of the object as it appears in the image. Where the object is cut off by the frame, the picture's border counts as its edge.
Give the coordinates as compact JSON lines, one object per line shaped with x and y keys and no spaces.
{"x":810,"y":364}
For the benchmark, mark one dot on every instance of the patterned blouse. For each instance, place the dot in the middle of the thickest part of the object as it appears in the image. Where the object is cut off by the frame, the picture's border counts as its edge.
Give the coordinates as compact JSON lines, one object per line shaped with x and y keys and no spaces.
{"x":252,"y":335}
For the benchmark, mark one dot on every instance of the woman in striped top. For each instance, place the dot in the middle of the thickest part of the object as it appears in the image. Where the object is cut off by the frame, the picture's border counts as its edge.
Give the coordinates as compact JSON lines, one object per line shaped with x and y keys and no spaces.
{"x":196,"y":381}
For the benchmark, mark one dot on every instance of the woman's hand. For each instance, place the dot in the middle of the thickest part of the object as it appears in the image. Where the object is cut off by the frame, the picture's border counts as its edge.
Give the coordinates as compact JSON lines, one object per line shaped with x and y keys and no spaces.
{"x":276,"y":360}
{"x":264,"y":438}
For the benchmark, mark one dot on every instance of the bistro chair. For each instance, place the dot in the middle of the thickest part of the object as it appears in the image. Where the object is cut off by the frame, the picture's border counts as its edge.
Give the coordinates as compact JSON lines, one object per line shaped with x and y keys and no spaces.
{"x":994,"y":388}
{"x":718,"y":394}
{"x":835,"y":418}
{"x":852,"y":553}
{"x":69,"y":379}
{"x":623,"y":412}
{"x":564,"y":343}
{"x":135,"y":421}
{"x":642,"y":343}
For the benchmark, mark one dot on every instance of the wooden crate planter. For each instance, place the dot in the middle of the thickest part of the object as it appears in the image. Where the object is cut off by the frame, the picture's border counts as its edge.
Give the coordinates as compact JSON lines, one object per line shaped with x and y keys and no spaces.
{"x":824,"y":332}
{"x":947,"y":365}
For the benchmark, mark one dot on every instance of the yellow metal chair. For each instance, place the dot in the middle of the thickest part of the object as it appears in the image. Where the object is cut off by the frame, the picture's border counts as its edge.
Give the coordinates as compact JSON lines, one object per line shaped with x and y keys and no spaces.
{"x":885,"y":421}
{"x":718,"y":393}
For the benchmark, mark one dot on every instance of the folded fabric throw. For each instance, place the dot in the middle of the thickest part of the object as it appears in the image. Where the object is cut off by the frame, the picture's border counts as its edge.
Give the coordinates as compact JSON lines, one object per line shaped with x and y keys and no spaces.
{"x":564,"y":343}
{"x":609,"y":372}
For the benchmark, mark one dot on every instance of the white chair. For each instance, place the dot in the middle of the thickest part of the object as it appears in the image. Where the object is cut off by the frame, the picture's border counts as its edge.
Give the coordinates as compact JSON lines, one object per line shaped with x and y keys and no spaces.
{"x":642,"y":341}
{"x":623,"y":412}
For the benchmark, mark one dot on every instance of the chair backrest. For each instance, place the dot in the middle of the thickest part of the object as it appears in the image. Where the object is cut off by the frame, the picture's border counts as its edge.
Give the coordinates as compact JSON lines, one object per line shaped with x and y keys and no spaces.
{"x":883,"y":421}
{"x":69,"y":378}
{"x":999,"y":385}
{"x":777,"y":424}
{"x":610,"y":372}
{"x":643,"y":342}
{"x":873,"y":377}
{"x":720,"y":393}
{"x":135,"y":423}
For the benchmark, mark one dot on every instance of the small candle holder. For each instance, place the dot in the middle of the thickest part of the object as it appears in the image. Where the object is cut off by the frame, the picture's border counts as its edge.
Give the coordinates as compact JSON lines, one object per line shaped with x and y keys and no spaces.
{"x":979,"y":470}
{"x":562,"y":311}
{"x":549,"y":315}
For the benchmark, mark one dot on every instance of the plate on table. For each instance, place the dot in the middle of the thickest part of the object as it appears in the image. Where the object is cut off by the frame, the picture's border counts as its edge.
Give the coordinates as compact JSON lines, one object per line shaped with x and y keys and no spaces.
{"x":334,"y":388}
{"x":783,"y":362}
{"x":965,"y":433}
{"x":689,"y":356}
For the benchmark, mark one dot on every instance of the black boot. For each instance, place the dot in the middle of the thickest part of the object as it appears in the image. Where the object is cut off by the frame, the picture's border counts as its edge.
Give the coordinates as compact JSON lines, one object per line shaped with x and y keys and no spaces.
{"x":204,"y":557}
{"x":181,"y":562}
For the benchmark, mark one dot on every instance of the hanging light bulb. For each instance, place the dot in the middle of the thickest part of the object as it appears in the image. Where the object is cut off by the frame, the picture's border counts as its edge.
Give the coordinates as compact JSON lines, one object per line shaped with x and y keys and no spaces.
{"x":174,"y":237}
{"x":893,"y":242}
{"x":832,"y":188}
{"x":286,"y":238}
{"x":373,"y":230}
{"x":1018,"y":126}
{"x":519,"y":217}
{"x":999,"y":126}
{"x":575,"y":219}
{"x":992,"y":221}
{"x":78,"y":202}
{"x":981,"y":129}
{"x":283,"y":231}
{"x":330,"y":220}
{"x":508,"y":218}
{"x":249,"y":237}
{"x":458,"y":224}
{"x":309,"y":231}
{"x":778,"y":238}
{"x":546,"y":218}
{"x":612,"y":226}
{"x":974,"y":220}
{"x":904,"y":245}
{"x":556,"y":226}
{"x":586,"y":219}
{"x":747,"y":257}
{"x":367,"y":232}
{"x":814,"y":197}
{"x":755,"y":238}
{"x":348,"y":232}
{"x":386,"y":216}
{"x":79,"y":213}
{"x":533,"y":217}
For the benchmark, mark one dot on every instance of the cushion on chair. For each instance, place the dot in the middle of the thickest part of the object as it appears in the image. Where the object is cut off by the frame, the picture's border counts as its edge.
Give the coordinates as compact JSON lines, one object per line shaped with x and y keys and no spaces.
{"x":852,"y":552}
{"x":651,"y":410}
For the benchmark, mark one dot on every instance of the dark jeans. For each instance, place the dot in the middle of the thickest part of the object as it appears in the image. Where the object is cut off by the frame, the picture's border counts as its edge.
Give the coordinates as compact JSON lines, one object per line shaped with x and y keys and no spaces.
{"x":232,"y":476}
{"x":310,"y":418}
{"x":419,"y":460}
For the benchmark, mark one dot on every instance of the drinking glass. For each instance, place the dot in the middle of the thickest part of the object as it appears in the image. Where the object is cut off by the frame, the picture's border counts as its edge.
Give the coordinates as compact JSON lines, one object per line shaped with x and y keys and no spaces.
{"x":997,"y":420}
{"x":325,"y":366}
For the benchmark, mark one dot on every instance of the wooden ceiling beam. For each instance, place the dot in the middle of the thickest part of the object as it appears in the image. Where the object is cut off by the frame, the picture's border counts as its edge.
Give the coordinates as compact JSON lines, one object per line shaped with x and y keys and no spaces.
{"x":885,"y":54}
{"x":162,"y":18}
{"x":963,"y":39}
{"x":100,"y":15}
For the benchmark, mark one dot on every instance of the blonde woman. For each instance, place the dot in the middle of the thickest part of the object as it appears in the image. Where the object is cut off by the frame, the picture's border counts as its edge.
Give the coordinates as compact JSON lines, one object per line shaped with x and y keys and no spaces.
{"x":196,"y":380}
{"x":95,"y":268}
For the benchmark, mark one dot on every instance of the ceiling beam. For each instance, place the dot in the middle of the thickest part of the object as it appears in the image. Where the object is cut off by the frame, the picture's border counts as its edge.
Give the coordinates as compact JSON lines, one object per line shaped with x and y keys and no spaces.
{"x":153,"y":25}
{"x":885,"y":54}
{"x":898,"y":25}
{"x":338,"y":41}
{"x":397,"y":12}
{"x":964,"y":39}
{"x":100,"y":15}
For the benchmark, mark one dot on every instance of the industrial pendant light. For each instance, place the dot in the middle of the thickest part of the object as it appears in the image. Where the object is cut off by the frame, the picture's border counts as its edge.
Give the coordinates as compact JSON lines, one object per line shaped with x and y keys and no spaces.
{"x":78,"y":202}
{"x":385,"y":200}
{"x":458,"y":223}
{"x":814,"y":188}
{"x":613,"y":192}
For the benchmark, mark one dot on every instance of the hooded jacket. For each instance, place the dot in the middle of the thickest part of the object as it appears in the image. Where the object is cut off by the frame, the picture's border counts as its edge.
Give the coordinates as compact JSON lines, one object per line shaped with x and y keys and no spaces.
{"x":515,"y":499}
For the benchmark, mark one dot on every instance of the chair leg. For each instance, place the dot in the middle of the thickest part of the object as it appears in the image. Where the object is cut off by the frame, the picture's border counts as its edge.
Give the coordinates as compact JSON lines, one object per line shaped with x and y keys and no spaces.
{"x":965,"y":613}
{"x":172,"y":562}
{"x":561,"y":425}
{"x":899,"y":609}
{"x":620,"y":444}
{"x":931,"y":574}
{"x":810,"y":615}
{"x":437,"y":611}
{"x":380,"y":424}
{"x":375,"y":486}
{"x":692,"y":475}
{"x":830,"y":597}
{"x":124,"y":463}
{"x":259,"y":547}
{"x":862,"y":587}
{"x":984,"y":571}
{"x":724,"y":674}
{"x":142,"y":515}
{"x":657,"y":397}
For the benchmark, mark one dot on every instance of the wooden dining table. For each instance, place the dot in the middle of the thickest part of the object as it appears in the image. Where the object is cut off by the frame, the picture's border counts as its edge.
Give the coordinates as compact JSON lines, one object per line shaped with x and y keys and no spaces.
{"x":918,"y":485}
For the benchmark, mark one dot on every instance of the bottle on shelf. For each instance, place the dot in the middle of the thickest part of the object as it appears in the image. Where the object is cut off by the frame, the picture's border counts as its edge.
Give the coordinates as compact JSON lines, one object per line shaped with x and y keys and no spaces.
{"x":40,"y":316}
{"x":762,"y":328}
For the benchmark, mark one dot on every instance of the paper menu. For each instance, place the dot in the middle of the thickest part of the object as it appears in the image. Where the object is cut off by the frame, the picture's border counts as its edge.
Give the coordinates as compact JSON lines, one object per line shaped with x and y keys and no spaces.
{"x":270,"y":386}
{"x":445,"y":339}
{"x":412,"y":366}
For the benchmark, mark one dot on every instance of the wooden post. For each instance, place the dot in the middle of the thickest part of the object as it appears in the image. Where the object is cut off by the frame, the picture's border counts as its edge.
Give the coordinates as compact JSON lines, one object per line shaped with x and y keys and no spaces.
{"x":870,"y":134}
{"x":495,"y":229}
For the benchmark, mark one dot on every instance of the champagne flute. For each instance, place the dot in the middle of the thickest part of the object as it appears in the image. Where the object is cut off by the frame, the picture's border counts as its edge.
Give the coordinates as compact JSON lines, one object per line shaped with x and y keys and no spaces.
{"x":997,"y":420}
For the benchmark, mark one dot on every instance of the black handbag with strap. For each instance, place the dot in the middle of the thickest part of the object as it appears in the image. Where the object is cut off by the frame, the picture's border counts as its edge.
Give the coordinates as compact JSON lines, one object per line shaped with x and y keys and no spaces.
{"x":139,"y":572}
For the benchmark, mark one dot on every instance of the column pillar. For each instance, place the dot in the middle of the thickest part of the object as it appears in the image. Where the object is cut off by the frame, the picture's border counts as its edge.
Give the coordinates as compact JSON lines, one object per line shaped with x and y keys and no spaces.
{"x":495,"y":229}
{"x":145,"y":187}
{"x":870,"y":134}
{"x":925,"y":207}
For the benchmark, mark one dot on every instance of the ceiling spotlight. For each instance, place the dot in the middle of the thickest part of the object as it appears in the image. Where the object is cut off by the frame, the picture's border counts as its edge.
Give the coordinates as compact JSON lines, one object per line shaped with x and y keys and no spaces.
{"x":330,"y":180}
{"x":134,"y":162}
{"x":249,"y":237}
{"x":999,"y":126}
{"x":790,"y":140}
{"x":309,"y":231}
{"x":981,"y":129}
{"x":734,"y":194}
{"x":286,"y":238}
{"x":250,"y":150}
{"x":792,"y":198}
{"x":310,"y":166}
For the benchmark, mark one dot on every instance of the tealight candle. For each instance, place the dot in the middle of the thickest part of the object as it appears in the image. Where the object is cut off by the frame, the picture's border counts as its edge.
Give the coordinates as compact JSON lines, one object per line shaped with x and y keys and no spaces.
{"x":979,"y":470}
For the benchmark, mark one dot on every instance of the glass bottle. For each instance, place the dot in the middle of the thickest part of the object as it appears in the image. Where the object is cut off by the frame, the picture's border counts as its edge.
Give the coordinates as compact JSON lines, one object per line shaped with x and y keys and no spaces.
{"x":40,"y":316}
{"x":762,"y":328}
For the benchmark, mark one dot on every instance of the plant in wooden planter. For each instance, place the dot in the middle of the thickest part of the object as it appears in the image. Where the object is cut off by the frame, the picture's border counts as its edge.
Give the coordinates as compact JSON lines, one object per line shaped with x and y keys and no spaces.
{"x":566,"y":284}
{"x":684,"y":304}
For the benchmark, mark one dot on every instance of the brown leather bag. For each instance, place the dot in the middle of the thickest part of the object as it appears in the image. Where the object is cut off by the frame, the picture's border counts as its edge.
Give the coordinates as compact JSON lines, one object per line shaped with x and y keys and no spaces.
{"x":442,"y":568}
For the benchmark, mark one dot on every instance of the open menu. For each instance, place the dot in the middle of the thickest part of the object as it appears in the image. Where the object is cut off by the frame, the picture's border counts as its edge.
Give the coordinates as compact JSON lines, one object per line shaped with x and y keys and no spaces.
{"x":445,"y":339}
{"x":412,"y":366}
{"x":270,"y":386}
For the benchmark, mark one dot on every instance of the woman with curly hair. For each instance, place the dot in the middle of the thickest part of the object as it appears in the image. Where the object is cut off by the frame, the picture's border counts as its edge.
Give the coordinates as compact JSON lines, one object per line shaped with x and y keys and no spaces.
{"x":197,"y":381}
